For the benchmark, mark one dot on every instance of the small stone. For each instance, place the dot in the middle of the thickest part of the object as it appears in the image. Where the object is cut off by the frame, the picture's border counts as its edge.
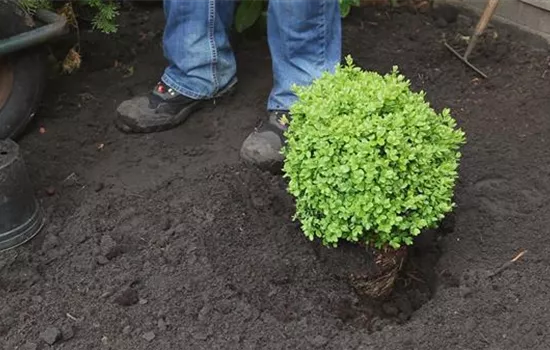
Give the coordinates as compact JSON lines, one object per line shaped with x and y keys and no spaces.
{"x":166,"y":224}
{"x":404,"y":305}
{"x":403,"y":317}
{"x":423,"y":7}
{"x":50,"y":191}
{"x":109,"y":247}
{"x":29,"y":346}
{"x":81,"y":238}
{"x":161,"y":324}
{"x":127,"y":297}
{"x":106,"y":294}
{"x":99,"y":186}
{"x":101,"y":260}
{"x":390,"y":309}
{"x":317,"y":341}
{"x":200,"y":335}
{"x":377,"y":324}
{"x":225,"y":306}
{"x":465,"y":292}
{"x":441,"y":22}
{"x":447,"y":12}
{"x":51,"y":242}
{"x":37,"y":299}
{"x":143,"y":301}
{"x":126,"y":330}
{"x":51,"y":335}
{"x":67,"y":332}
{"x":153,"y":165}
{"x":149,"y":336}
{"x":204,"y":313}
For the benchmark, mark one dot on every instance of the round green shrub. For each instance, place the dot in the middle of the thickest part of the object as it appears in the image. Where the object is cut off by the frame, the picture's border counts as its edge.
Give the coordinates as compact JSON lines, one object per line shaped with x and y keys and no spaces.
{"x":368,"y":160}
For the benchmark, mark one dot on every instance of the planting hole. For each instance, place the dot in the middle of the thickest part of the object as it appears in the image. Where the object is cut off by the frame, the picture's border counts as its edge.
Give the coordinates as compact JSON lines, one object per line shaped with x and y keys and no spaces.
{"x":276,"y":269}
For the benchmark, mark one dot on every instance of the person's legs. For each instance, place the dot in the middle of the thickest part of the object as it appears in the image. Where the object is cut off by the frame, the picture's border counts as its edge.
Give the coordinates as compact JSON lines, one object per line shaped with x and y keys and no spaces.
{"x":305,"y":41}
{"x":201,"y":66}
{"x":197,"y":46}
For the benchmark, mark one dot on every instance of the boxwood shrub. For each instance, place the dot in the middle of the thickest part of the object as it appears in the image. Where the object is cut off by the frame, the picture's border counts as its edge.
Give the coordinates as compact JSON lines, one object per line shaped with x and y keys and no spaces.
{"x":368,"y":160}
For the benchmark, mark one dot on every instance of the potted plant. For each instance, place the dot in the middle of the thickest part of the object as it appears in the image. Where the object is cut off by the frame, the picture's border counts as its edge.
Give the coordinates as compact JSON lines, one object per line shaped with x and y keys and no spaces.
{"x":370,"y":162}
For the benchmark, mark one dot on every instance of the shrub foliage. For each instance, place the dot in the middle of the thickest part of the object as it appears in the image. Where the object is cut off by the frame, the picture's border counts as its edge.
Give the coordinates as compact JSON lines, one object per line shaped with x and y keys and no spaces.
{"x":105,"y":12}
{"x":368,"y":160}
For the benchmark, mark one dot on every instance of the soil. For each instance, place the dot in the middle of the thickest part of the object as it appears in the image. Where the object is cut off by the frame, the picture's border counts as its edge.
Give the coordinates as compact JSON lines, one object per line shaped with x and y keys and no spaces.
{"x":166,"y":241}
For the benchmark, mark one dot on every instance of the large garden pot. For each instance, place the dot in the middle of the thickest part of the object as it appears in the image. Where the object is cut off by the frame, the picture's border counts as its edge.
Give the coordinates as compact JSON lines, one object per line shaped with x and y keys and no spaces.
{"x":22,"y":73}
{"x":21,"y":216}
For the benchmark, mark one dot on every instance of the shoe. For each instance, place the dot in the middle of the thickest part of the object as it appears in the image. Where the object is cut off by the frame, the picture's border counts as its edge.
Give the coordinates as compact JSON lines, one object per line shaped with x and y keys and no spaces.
{"x":262,"y":148}
{"x":160,"y":110}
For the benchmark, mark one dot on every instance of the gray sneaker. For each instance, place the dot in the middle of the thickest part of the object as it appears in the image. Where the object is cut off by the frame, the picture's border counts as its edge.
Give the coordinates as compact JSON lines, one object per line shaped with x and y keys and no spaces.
{"x":262,"y":147}
{"x":162,"y":109}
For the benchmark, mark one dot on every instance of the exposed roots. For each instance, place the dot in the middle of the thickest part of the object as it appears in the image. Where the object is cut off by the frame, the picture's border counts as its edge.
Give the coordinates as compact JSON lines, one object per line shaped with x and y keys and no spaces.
{"x":379,"y":284}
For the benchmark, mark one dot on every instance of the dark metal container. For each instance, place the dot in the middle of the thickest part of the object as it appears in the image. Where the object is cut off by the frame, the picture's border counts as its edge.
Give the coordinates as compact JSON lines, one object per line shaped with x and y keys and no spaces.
{"x":21,"y":216}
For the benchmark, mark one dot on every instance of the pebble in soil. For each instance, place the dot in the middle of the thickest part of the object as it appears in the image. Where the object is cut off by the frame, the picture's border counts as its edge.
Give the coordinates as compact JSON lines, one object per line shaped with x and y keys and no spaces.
{"x":51,"y":335}
{"x":127,"y":297}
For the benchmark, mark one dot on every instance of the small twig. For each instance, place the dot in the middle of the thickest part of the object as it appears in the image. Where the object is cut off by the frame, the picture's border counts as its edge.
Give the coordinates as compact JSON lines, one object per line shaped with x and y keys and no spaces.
{"x":71,"y":176}
{"x":72,"y":317}
{"x":413,"y":277}
{"x":508,"y":264}
{"x":484,"y":338}
{"x":9,"y":263}
{"x":519,"y":256}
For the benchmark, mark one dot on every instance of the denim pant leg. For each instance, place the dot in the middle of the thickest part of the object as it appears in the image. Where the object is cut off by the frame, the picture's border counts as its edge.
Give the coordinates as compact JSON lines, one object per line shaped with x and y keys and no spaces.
{"x":304,"y":40}
{"x":196,"y":44}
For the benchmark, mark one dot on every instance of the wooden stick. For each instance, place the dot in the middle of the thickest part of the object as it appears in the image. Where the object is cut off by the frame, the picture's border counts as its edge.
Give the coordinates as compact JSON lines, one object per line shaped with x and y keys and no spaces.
{"x":482,"y":24}
{"x":508,"y":264}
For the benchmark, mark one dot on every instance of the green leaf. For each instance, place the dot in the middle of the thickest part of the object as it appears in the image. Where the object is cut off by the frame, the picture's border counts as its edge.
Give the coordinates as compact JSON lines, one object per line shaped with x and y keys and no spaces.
{"x":345,"y":6}
{"x":247,"y":14}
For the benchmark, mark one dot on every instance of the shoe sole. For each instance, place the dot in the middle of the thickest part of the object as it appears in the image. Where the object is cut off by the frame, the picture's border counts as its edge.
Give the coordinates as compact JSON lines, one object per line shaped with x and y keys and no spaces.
{"x":127,"y":126}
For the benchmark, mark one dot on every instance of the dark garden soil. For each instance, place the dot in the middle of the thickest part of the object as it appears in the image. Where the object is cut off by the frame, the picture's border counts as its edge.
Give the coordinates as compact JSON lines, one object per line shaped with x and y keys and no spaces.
{"x":166,"y":241}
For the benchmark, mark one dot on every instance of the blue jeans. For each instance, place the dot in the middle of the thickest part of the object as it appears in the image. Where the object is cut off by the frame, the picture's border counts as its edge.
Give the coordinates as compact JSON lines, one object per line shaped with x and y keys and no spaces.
{"x":304,"y":38}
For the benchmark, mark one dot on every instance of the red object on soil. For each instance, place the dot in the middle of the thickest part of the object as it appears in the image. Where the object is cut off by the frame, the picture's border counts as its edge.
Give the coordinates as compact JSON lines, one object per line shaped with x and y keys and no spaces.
{"x":50,"y":191}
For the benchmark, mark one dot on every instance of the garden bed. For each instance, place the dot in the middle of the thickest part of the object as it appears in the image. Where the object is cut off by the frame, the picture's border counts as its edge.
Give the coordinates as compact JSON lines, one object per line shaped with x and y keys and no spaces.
{"x":166,"y":241}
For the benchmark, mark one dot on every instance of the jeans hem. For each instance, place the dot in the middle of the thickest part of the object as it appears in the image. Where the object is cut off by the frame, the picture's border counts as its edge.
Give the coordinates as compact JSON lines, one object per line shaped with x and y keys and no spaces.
{"x":166,"y":79}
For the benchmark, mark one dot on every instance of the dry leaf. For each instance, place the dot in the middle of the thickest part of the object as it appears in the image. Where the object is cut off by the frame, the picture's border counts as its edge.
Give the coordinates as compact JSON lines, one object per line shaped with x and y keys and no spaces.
{"x":67,"y":11}
{"x":72,"y":61}
{"x":29,"y":21}
{"x":129,"y":72}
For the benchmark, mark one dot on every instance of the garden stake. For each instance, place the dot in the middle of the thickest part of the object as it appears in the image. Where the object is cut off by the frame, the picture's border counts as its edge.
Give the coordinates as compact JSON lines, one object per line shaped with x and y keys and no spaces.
{"x":480,"y":28}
